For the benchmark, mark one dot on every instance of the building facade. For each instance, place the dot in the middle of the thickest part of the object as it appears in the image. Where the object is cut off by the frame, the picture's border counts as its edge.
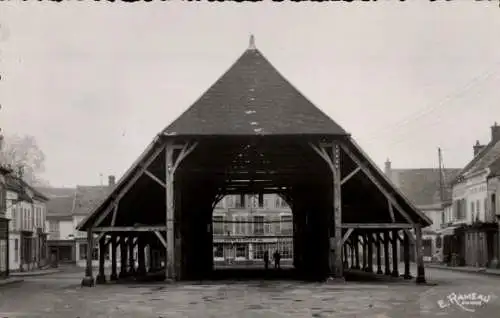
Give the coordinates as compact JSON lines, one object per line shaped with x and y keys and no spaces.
{"x":429,"y":189}
{"x":66,"y":208}
{"x":471,"y":224}
{"x":246,"y":226}
{"x":4,"y":224}
{"x":26,"y":211}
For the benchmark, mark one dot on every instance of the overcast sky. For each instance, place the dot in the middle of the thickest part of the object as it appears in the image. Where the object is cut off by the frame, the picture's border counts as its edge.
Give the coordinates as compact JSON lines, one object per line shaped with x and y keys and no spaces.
{"x":94,"y":82}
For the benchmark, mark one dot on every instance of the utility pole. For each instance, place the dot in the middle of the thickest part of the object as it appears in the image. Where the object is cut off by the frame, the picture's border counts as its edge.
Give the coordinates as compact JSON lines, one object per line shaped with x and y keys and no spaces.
{"x":441,"y":177}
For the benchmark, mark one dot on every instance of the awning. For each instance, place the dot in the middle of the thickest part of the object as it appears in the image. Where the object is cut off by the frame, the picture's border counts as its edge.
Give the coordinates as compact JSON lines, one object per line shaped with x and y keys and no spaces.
{"x":450,"y":230}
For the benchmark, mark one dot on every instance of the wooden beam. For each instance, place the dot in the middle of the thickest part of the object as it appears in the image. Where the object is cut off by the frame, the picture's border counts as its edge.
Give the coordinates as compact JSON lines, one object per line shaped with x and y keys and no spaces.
{"x":186,"y":150}
{"x":115,"y":212}
{"x":391,"y":211}
{"x":410,"y":235}
{"x":129,"y":229}
{"x":350,"y":175}
{"x":322,"y":154}
{"x":96,"y":241}
{"x":377,"y":183}
{"x":377,"y":226}
{"x":346,"y":235}
{"x":129,"y":185}
{"x":169,"y":213}
{"x":155,"y":178}
{"x":161,"y":238}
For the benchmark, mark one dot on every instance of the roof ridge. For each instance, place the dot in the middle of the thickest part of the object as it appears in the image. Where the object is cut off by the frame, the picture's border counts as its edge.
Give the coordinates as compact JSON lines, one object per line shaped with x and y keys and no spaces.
{"x":476,"y":158}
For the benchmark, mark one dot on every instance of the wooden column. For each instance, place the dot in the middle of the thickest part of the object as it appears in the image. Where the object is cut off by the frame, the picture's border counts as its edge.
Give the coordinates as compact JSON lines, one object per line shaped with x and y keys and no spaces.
{"x":131,"y":263}
{"x":170,"y":221}
{"x":114,"y":245}
{"x":386,"y":253}
{"x":88,"y":280}
{"x":352,"y":255}
{"x":406,"y":256}
{"x":123,"y":257}
{"x":356,"y":250}
{"x":369,"y":241}
{"x":346,"y":256}
{"x":395,"y":262}
{"x":152,"y":260}
{"x":365,"y":245}
{"x":101,"y":277}
{"x":337,"y":207}
{"x":420,"y":258}
{"x":379,"y":253}
{"x":141,"y":256}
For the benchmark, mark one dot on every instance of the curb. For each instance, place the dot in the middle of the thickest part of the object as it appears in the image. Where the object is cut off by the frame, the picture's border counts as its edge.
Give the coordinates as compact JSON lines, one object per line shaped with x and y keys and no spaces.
{"x":28,"y":274}
{"x":484,"y":272}
{"x":10,"y":281}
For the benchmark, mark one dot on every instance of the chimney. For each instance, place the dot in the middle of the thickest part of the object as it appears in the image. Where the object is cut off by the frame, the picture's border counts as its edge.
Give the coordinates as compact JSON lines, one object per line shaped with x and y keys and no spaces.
{"x":495,"y":132}
{"x":111,"y":181}
{"x":388,"y":169}
{"x":477,"y":148}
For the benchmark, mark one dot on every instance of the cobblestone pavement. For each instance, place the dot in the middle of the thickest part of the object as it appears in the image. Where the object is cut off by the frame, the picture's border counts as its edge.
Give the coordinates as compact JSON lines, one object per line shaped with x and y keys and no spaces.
{"x":60,"y":295}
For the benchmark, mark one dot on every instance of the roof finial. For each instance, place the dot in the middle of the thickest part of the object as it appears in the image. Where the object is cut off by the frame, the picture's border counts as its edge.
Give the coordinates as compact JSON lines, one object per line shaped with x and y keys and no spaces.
{"x":251,"y":46}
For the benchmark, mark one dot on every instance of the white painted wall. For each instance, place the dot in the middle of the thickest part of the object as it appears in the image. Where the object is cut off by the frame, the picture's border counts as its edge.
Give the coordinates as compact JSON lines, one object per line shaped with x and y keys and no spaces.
{"x":474,"y":190}
{"x":436,"y":217}
{"x":14,"y":255}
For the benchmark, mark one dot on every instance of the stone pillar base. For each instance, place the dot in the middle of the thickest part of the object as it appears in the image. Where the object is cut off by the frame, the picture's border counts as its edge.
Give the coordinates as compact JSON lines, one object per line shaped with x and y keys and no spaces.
{"x":335,"y":280}
{"x":88,"y":281}
{"x":379,"y":271}
{"x":420,"y":280}
{"x":101,"y":279}
{"x":395,"y":274}
{"x":407,"y":276}
{"x":387,"y":272}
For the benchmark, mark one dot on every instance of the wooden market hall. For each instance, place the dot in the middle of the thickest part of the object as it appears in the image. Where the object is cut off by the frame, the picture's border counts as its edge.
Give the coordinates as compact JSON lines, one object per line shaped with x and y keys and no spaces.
{"x":252,"y":132}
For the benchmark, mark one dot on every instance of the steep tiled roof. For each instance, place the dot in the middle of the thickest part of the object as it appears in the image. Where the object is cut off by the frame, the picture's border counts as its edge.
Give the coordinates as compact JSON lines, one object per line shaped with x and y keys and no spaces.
{"x":20,"y":186}
{"x":56,"y":192}
{"x":253,"y":98}
{"x":89,"y":197}
{"x":484,"y":159}
{"x":422,"y":186}
{"x":60,"y":206}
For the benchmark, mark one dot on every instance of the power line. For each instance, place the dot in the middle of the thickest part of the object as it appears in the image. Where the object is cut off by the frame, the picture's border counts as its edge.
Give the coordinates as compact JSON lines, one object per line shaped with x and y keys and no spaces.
{"x":444,"y":102}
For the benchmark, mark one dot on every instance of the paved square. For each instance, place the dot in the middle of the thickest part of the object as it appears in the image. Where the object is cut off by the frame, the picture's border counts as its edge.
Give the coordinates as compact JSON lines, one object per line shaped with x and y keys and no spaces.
{"x":60,"y":295}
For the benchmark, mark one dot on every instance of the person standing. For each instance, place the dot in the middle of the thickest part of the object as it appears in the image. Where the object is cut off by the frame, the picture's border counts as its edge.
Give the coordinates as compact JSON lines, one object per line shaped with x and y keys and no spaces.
{"x":277,"y":258}
{"x":266,"y":260}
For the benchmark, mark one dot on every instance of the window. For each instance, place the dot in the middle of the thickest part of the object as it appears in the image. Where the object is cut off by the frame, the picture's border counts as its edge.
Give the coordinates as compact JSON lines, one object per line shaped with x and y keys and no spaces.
{"x":218,"y":226}
{"x":218,"y":250}
{"x":241,"y":250}
{"x":259,"y":250}
{"x":493,"y":204}
{"x":478,"y":207}
{"x":95,"y":254}
{"x":472,"y":207}
{"x":258,"y":226}
{"x":240,"y":224}
{"x":13,"y":222}
{"x":16,"y":250}
{"x":229,"y":202}
{"x":285,"y":248}
{"x":286,"y":224}
{"x":83,"y":250}
{"x":280,"y":203}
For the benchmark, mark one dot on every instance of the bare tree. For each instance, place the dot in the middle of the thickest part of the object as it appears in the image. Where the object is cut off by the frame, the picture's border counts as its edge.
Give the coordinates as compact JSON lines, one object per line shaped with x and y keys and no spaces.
{"x":23,"y":154}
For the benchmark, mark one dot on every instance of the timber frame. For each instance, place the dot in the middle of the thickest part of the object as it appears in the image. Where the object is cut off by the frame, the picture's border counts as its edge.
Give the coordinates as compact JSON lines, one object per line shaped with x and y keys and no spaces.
{"x":253,"y":133}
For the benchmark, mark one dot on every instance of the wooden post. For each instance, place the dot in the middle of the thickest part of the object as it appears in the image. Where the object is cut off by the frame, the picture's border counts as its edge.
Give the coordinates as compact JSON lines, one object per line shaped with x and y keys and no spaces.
{"x":420,"y":259}
{"x":346,"y":256}
{"x":141,"y":256}
{"x":352,"y":254}
{"x":131,"y":263}
{"x":379,"y":254}
{"x":395,"y":262}
{"x":386,"y":253}
{"x":123,"y":257}
{"x":365,"y":245}
{"x":369,"y":241}
{"x":337,"y":207}
{"x":88,"y":280}
{"x":170,"y":250}
{"x":356,"y":250}
{"x":114,"y":245}
{"x":406,"y":256}
{"x":101,"y":277}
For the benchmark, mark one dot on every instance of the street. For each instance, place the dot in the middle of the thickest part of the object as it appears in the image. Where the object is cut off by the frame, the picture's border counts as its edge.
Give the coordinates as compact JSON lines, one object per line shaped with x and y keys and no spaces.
{"x":60,"y":295}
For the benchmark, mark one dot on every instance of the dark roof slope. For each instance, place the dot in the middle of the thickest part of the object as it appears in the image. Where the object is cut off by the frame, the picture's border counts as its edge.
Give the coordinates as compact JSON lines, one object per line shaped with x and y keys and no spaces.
{"x":87,"y":198}
{"x":484,"y":159}
{"x":60,"y":206}
{"x":18,"y":185}
{"x":422,"y":186}
{"x":253,"y":98}
{"x":56,"y":192}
